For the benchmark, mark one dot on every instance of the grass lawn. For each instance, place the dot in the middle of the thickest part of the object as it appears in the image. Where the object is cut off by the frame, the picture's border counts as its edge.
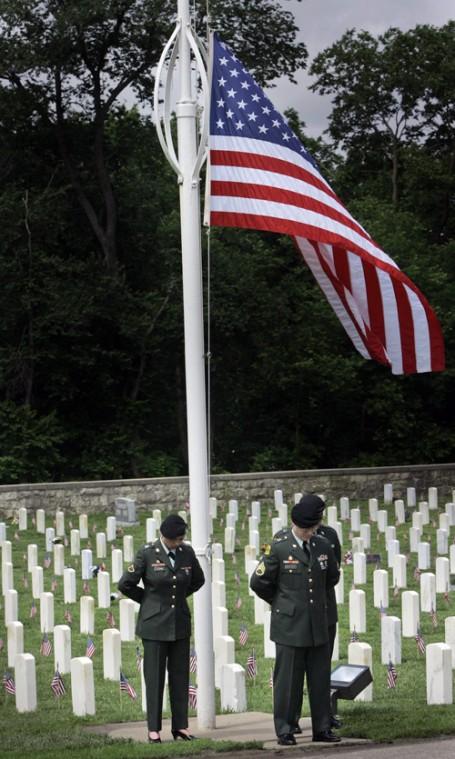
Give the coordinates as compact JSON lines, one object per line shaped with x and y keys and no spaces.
{"x":401,"y":712}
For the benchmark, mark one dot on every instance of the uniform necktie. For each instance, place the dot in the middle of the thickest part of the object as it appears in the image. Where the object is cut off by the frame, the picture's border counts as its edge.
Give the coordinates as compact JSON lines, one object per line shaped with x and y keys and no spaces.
{"x":171,"y":555}
{"x":306,"y":550}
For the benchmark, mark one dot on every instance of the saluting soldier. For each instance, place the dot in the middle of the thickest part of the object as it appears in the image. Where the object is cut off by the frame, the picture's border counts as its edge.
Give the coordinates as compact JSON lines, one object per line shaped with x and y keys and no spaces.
{"x":294,"y":576}
{"x":170,"y":572}
{"x":330,"y":534}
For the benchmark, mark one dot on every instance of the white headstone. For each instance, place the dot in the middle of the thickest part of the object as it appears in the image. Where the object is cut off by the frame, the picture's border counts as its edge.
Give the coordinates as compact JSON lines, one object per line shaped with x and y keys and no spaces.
{"x":251,"y":566}
{"x":213,"y":507}
{"x":433,"y":498}
{"x":359,"y":568}
{"x":83,"y":686}
{"x":156,"y":513}
{"x":231,"y":520}
{"x":442,"y":541}
{"x":399,"y":511}
{"x":60,"y":523}
{"x":37,"y":582}
{"x":117,"y":564}
{"x":415,"y":535}
{"x":393,"y":548}
{"x":229,"y":540}
{"x":7,"y":576}
{"x":357,"y":611}
{"x":449,"y":628}
{"x":127,"y":619}
{"x":336,"y":647}
{"x":111,"y":528}
{"x":75,"y":543}
{"x":10,"y":606}
{"x":439,"y":673}
{"x":224,"y":654}
{"x":388,"y":492}
{"x":250,"y":555}
{"x":332,"y":515}
{"x":427,"y":592}
{"x":25,"y":679}
{"x":87,"y":614}
{"x":32,"y":556}
{"x":452,"y":558}
{"x":373,"y":509}
{"x":278,"y":497}
{"x":101,"y":545}
{"x":217,"y":551}
{"x":128,"y":548}
{"x":218,"y":593}
{"x":382,"y":520}
{"x":399,"y":578}
{"x":411,"y":497}
{"x":450,"y":511}
{"x":269,"y":645}
{"x":423,"y":556}
{"x":339,"y":589}
{"x":417,"y":520}
{"x":22,"y":515}
{"x":47,"y":612}
{"x":104,"y":589}
{"x":442,"y":574}
{"x":297,"y":497}
{"x":41,"y":521}
{"x":220,"y":621}
{"x":59,"y":559}
{"x":233,"y":508}
{"x":232,"y":688}
{"x":256,"y":510}
{"x":361,"y":653}
{"x":15,"y":641}
{"x":390,"y":640}
{"x":357,"y":545}
{"x":380,"y":588}
{"x":86,"y":563}
{"x":365,"y":534}
{"x":390,"y":533}
{"x":112,"y":654}
{"x":277,"y":525}
{"x":253,"y":523}
{"x":50,"y":535}
{"x":151,"y":528}
{"x":339,"y":529}
{"x":69,"y":585}
{"x":62,"y":648}
{"x":425,"y":512}
{"x":2,"y":532}
{"x":218,"y":570}
{"x":283,"y":513}
{"x":260,"y":608}
{"x":410,"y":614}
{"x":444,"y":521}
{"x":83,"y":526}
{"x":355,"y":520}
{"x":344,"y":507}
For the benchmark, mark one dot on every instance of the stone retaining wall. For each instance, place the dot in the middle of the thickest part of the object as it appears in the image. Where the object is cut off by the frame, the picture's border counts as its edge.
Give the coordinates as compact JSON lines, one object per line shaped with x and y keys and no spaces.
{"x":172,"y":492}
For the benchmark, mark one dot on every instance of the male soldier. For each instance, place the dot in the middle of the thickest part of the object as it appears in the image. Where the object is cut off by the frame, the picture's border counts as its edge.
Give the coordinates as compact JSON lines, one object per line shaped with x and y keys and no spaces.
{"x":330,"y":534}
{"x":294,"y":577}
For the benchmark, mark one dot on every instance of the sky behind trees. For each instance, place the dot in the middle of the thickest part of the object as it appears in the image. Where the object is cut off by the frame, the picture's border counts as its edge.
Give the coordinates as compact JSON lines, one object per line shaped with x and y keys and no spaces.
{"x":322,"y":22}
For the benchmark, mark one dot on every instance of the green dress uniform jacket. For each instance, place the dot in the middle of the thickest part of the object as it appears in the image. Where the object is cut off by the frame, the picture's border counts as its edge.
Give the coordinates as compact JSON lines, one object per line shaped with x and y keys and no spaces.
{"x":330,"y":534}
{"x":164,"y":614}
{"x":296,"y":588}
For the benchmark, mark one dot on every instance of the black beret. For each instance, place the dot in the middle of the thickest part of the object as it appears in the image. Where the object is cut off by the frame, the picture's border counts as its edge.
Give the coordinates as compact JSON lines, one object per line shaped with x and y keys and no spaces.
{"x":173,"y":526}
{"x":308,"y":511}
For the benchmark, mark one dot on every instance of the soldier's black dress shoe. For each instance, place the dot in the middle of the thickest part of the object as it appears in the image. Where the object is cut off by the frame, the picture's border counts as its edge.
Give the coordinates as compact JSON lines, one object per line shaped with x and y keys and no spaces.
{"x":287,"y":739}
{"x":326,"y":737}
{"x":154,"y":740}
{"x":296,"y":730}
{"x":184,"y":736}
{"x":336,"y":723}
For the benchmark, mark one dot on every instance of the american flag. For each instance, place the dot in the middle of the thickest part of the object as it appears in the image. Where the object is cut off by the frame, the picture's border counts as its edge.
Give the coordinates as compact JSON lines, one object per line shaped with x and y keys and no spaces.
{"x":46,"y":646}
{"x":33,"y":610}
{"x":243,"y":635}
{"x":446,"y":597}
{"x":8,"y":683}
{"x":193,"y":661}
{"x":54,"y":585}
{"x":90,"y":648}
{"x":110,"y":619}
{"x":126,"y":686}
{"x":263,"y":178}
{"x":68,"y":617}
{"x":354,"y":636}
{"x":192,"y":696}
{"x":238,"y":603}
{"x":25,"y":581}
{"x":57,"y":685}
{"x":417,"y":574}
{"x":85,"y":587}
{"x":420,"y":641}
{"x":234,"y":558}
{"x":47,"y":561}
{"x":396,"y":592}
{"x":348,"y":557}
{"x":16,"y":536}
{"x":382,"y":611}
{"x":237,"y":578}
{"x":434,"y":619}
{"x":138,"y":659}
{"x":391,"y":675}
{"x":251,"y":665}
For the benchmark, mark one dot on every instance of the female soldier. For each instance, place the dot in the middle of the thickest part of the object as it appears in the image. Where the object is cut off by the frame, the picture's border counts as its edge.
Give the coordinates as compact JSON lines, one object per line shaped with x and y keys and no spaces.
{"x":170,"y":572}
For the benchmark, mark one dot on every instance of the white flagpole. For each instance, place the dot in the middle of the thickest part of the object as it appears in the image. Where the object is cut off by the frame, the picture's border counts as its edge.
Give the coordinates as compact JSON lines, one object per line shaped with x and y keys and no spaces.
{"x":186,"y":161}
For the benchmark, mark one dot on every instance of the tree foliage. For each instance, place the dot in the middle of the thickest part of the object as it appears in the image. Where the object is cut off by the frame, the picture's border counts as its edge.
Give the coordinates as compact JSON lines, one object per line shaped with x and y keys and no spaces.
{"x":92,"y":380}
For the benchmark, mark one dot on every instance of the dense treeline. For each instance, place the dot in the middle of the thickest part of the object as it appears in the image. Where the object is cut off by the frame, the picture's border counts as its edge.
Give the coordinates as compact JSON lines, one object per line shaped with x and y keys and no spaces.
{"x":91,"y":334}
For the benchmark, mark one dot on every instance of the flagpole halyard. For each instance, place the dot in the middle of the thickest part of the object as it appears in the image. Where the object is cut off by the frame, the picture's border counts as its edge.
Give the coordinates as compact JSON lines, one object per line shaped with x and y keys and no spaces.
{"x":187,"y":160}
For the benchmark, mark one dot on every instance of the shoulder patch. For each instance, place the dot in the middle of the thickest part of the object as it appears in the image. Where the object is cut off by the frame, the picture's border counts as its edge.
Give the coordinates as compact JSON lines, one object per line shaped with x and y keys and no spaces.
{"x":131,"y":568}
{"x":260,"y":569}
{"x":266,"y":548}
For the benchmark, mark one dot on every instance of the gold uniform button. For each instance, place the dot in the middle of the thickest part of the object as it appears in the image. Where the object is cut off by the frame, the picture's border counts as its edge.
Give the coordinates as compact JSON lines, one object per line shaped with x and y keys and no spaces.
{"x":310,"y":580}
{"x":172,"y":606}
{"x":173,"y":597}
{"x":311,"y":600}
{"x":311,"y":590}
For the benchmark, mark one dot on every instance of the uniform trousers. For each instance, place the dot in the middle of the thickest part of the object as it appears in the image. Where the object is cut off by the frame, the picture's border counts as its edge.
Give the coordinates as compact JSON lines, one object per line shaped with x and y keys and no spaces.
{"x":332,"y":630}
{"x":292,"y":663}
{"x":177,"y":655}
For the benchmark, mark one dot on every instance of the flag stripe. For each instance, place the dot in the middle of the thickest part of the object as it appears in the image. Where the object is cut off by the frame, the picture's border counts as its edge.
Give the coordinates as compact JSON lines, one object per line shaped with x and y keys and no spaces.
{"x":261,"y":177}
